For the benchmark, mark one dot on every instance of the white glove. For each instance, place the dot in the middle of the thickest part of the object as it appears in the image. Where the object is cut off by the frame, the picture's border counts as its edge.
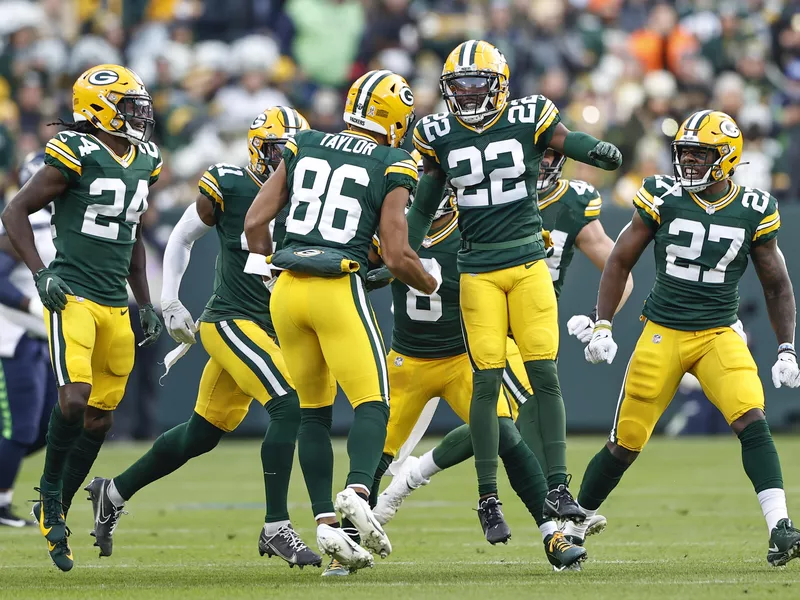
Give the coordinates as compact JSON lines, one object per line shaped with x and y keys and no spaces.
{"x":602,"y":346}
{"x":739,"y":329}
{"x":581,"y":327}
{"x":179,"y":322}
{"x":35,"y":307}
{"x":785,"y":370}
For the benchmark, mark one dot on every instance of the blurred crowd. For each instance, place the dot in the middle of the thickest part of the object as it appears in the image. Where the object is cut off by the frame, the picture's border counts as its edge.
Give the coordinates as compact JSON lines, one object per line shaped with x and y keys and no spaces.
{"x":625,"y":70}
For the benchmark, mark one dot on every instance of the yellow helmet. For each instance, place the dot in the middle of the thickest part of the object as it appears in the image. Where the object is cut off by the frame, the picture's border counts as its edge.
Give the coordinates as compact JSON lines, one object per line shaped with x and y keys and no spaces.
{"x":713,"y":143}
{"x":113,"y":99}
{"x":268,"y":134}
{"x":474,"y":81}
{"x":381,"y":102}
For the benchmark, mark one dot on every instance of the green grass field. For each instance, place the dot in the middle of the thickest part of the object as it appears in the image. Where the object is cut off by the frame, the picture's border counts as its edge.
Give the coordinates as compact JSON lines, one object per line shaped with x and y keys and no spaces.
{"x":684,"y":523}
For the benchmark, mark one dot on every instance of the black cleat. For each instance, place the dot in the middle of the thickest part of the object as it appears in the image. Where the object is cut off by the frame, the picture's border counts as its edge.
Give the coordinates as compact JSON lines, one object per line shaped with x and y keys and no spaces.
{"x":493,"y":524}
{"x":562,"y":553}
{"x":784,"y":543}
{"x":561,"y":506}
{"x":286,"y":544}
{"x":106,"y":514}
{"x":9,"y":519}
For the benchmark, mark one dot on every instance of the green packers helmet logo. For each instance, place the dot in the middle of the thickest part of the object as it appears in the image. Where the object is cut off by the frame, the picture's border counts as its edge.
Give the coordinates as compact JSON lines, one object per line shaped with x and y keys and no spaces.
{"x":104,"y":77}
{"x":407,"y":96}
{"x":308,"y":253}
{"x":729,"y":128}
{"x":258,"y":121}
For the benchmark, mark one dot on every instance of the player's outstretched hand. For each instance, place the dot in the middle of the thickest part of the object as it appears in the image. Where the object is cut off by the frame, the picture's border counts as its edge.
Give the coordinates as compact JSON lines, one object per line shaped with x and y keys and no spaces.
{"x":151,"y":324}
{"x":378,"y":278}
{"x":52,"y":290}
{"x":179,"y":322}
{"x":606,"y":156}
{"x":602,"y":346}
{"x":785,"y":371}
{"x":582,"y":327}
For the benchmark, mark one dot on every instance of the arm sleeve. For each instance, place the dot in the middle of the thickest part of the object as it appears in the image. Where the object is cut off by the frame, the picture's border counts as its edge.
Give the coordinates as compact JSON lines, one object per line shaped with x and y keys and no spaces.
{"x":768,"y":228}
{"x":10,"y":295}
{"x":420,"y":215}
{"x":187,"y":231}
{"x":647,"y":206}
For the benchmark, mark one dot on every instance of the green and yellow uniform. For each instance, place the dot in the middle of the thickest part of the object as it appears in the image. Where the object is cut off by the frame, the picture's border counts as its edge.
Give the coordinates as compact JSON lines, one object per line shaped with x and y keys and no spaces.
{"x":94,"y":227}
{"x":701,"y":252}
{"x":566,"y":208}
{"x":337,"y":184}
{"x":235,"y":327}
{"x":494,"y":171}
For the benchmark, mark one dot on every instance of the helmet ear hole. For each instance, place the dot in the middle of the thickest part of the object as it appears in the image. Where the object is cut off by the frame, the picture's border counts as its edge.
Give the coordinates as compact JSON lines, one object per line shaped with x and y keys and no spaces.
{"x":96,"y":107}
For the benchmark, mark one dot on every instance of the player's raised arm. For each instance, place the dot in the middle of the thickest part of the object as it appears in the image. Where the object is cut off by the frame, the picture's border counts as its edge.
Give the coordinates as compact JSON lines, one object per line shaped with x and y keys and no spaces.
{"x":396,"y":252}
{"x":585,"y":148}
{"x":426,"y":200}
{"x":594,"y":242}
{"x":770,"y":267}
{"x":269,"y":201}
{"x":630,"y":244}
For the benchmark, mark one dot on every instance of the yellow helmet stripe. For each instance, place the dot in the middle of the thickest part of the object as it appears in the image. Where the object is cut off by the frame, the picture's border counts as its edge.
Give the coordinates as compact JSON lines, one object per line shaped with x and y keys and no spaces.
{"x":365,"y":91}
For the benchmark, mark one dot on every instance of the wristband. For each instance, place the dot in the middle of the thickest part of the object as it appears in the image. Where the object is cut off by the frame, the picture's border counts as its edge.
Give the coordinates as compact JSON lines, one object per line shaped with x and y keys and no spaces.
{"x":786,"y":347}
{"x":602,"y":324}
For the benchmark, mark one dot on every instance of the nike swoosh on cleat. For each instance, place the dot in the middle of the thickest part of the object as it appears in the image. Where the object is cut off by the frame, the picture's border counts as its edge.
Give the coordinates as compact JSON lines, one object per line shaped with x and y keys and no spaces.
{"x":553,"y":505}
{"x":774,"y":548}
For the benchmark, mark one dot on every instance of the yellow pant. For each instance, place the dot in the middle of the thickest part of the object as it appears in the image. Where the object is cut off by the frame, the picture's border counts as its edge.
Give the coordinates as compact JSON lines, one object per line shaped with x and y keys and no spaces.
{"x":521,"y":297}
{"x":719,"y":359}
{"x":245,"y":364}
{"x":414,"y":381}
{"x":329,"y":334}
{"x":91,"y":343}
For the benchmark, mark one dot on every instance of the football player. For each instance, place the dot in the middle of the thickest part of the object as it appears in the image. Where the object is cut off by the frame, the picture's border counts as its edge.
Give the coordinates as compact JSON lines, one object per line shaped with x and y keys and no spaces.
{"x":28,"y":383}
{"x":340,"y":188}
{"x":97,"y":174}
{"x":570,"y":212}
{"x":489,"y":149}
{"x":705,"y":228}
{"x":236,"y":331}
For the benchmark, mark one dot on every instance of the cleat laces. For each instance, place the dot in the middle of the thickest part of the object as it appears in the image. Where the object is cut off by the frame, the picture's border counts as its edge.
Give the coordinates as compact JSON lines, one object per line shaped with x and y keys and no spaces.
{"x":492,"y":513}
{"x":292,"y":538}
{"x":557,"y":542}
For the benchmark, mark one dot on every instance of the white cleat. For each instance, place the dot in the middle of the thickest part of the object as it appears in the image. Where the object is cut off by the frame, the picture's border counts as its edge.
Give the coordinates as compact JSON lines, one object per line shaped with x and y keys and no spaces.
{"x":597,"y":524}
{"x":406,"y":481}
{"x":355,"y":508}
{"x":337,"y":544}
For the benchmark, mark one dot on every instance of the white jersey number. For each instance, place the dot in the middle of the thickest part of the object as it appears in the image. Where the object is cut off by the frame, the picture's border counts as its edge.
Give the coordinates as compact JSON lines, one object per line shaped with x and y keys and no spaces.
{"x":327,"y":182}
{"x":434,"y":312}
{"x":716,"y":233}
{"x":496,"y":194}
{"x":110,"y":229}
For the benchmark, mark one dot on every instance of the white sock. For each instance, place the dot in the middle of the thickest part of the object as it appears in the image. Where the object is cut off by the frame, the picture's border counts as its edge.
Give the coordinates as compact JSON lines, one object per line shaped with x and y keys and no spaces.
{"x":773,"y":505}
{"x":5,"y":497}
{"x":427,"y":467}
{"x":579,"y":530}
{"x":114,"y":495}
{"x":272,"y":528}
{"x":548,"y":528}
{"x":359,"y":489}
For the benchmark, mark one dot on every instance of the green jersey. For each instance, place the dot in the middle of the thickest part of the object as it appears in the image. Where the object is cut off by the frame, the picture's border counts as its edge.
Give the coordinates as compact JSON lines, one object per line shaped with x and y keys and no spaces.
{"x":430,"y":326}
{"x":494,"y":172}
{"x":701,"y":250}
{"x":237,"y":295}
{"x":566,"y":208}
{"x":337,"y":183}
{"x":94,"y":221}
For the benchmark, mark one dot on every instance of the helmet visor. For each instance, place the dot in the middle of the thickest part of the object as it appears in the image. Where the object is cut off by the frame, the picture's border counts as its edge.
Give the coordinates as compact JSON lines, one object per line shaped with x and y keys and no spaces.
{"x":472,"y":94}
{"x":693,"y":161}
{"x":137,"y":112}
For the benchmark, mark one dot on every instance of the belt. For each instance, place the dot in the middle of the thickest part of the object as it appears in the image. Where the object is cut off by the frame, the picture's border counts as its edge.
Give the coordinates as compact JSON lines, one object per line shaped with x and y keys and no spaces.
{"x":528,"y":239}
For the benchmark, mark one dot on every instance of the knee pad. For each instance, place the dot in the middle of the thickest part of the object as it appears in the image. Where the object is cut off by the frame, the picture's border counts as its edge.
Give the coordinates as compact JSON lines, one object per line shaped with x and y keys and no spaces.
{"x":631,"y":435}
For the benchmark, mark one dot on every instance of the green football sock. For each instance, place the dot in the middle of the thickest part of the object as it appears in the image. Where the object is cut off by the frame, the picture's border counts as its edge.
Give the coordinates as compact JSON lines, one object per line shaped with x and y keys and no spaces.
{"x":80,"y":460}
{"x":484,"y":428}
{"x":550,"y":424}
{"x":277,"y":454}
{"x":383,"y":466}
{"x":455,"y":448}
{"x":315,"y":453}
{"x":61,"y":435}
{"x":169,"y":452}
{"x":524,"y":473}
{"x":528,"y":422}
{"x":760,"y":457}
{"x":602,"y":475}
{"x":365,"y":442}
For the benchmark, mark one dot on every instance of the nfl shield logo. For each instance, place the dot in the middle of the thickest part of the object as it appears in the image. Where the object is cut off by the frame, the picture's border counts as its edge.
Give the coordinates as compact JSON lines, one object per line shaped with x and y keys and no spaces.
{"x":398,"y":361}
{"x":656,"y":339}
